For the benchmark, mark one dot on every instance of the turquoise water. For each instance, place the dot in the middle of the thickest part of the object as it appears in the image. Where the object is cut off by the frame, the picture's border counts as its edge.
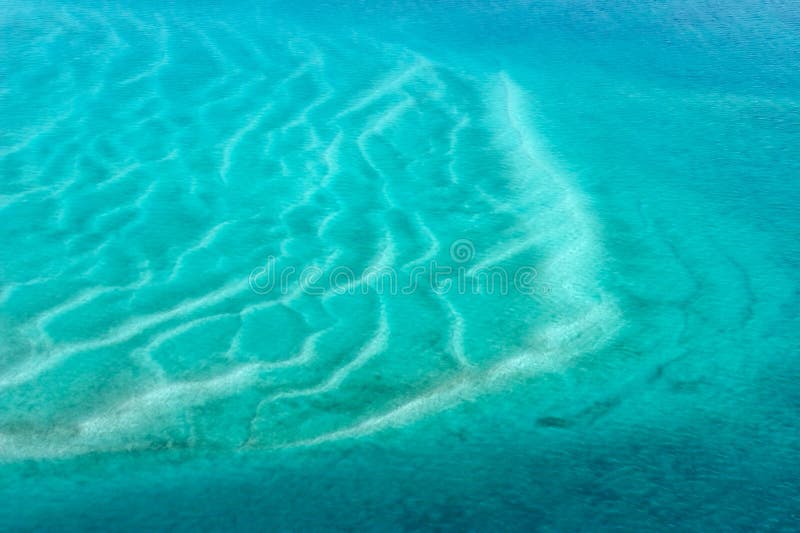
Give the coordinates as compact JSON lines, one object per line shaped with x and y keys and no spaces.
{"x":608,"y":191}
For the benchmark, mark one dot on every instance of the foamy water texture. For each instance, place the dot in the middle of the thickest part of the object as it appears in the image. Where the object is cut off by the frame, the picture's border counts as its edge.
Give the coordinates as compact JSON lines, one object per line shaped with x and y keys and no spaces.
{"x":158,"y":161}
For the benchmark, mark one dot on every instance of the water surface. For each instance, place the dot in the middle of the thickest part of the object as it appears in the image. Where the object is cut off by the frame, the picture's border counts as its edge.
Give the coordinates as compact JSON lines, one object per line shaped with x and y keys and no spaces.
{"x":630,"y":168}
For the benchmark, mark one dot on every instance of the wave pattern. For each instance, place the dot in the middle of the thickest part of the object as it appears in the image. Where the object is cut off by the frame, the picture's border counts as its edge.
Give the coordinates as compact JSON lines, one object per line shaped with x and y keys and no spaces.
{"x":149,"y":165}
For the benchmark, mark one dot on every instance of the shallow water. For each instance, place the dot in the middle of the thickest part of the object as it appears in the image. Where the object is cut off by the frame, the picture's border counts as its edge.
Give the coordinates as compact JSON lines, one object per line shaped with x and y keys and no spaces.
{"x":219,"y":227}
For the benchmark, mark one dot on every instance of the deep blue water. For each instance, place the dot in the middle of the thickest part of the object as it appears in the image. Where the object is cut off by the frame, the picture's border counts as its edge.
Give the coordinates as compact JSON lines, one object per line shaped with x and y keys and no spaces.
{"x":629,"y":170}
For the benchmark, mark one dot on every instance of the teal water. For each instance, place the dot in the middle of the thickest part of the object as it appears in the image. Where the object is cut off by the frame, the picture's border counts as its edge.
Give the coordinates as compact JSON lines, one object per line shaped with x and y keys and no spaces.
{"x":636,"y":162}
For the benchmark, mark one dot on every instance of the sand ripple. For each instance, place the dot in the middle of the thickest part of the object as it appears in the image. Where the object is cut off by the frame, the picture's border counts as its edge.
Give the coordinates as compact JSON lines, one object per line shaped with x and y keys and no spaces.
{"x":141,"y":207}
